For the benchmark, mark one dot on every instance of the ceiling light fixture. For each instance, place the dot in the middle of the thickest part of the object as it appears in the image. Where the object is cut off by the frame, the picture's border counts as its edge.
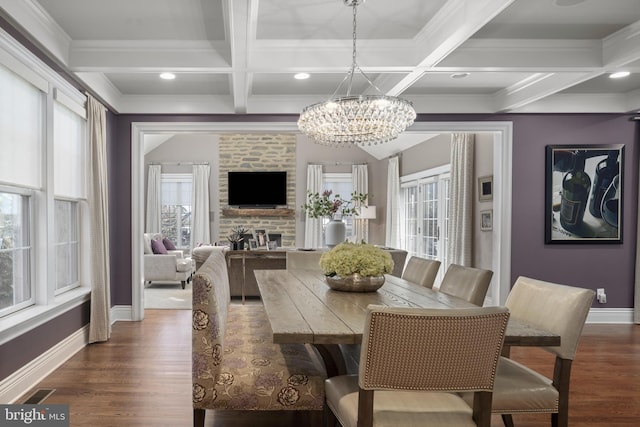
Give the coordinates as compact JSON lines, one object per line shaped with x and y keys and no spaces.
{"x":301,"y":76}
{"x":167,"y":76}
{"x":619,"y":75}
{"x":362,"y":120}
{"x":459,"y":75}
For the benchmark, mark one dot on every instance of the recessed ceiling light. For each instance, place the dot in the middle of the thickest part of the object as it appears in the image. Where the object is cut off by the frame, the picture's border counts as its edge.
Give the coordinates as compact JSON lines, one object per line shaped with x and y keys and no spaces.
{"x":167,"y":76}
{"x":619,"y":75}
{"x":459,"y":75}
{"x":566,"y":3}
{"x":301,"y":76}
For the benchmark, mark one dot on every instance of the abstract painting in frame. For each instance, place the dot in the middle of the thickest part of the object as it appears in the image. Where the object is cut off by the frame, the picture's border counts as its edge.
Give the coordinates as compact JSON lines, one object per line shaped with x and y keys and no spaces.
{"x":584,"y":196}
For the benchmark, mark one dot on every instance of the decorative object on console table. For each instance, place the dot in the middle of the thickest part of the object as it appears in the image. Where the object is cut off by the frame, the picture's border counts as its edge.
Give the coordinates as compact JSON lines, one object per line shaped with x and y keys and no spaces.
{"x":236,"y":237}
{"x":261,"y":237}
{"x":583,"y":200}
{"x":334,"y":208}
{"x":356,"y":267}
{"x":365,"y":213}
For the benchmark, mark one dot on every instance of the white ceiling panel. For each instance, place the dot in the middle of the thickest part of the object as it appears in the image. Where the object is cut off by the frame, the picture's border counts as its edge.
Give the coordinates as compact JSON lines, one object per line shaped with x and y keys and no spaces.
{"x":234,"y":56}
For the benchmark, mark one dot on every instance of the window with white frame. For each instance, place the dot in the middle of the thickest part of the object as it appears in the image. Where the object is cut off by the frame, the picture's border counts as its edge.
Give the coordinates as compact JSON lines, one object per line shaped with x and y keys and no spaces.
{"x":175,"y":215}
{"x":66,"y":245}
{"x":425,"y":199}
{"x":16,"y":284}
{"x":43,"y":175}
{"x":340,"y":184}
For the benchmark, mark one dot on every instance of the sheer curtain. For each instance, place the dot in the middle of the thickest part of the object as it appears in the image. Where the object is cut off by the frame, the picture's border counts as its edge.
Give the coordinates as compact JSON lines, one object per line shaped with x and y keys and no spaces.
{"x":100,"y":324}
{"x":313,"y":226}
{"x":394,"y":213}
{"x":360,"y":178}
{"x":154,"y":198}
{"x":461,"y":205}
{"x":200,"y":232}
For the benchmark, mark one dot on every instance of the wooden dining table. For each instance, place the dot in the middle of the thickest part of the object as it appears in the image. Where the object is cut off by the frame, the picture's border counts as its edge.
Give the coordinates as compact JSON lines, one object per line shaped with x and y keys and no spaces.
{"x":302,"y":309}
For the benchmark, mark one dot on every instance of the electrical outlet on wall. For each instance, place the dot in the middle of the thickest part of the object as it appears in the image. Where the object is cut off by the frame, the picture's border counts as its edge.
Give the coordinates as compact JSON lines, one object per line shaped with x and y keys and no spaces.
{"x":601,"y":296}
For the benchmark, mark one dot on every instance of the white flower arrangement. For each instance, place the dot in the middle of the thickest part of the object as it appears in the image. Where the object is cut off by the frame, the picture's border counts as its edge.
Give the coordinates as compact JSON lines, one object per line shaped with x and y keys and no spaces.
{"x":349,"y":258}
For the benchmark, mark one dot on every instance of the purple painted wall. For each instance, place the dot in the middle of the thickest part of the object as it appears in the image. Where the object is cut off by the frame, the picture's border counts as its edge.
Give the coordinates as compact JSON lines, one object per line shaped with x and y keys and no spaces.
{"x":609,"y":266}
{"x":590,"y":266}
{"x":18,"y":352}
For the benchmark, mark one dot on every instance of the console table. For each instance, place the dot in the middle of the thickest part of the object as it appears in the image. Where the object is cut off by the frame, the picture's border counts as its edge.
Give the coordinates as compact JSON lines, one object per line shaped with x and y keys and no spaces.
{"x":241,"y":264}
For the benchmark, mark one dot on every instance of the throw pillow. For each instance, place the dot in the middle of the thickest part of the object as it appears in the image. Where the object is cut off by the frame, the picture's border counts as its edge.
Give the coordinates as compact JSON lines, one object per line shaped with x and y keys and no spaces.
{"x":147,"y":243}
{"x":157,"y":247}
{"x":168,"y":244}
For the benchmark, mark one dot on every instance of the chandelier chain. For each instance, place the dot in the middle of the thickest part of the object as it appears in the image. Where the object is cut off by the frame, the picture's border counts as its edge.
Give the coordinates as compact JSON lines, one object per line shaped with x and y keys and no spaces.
{"x":356,"y":120}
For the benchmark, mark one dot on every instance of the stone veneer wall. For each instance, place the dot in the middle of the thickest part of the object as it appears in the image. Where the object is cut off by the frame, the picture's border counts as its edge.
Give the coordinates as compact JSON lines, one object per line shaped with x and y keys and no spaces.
{"x":258,"y":152}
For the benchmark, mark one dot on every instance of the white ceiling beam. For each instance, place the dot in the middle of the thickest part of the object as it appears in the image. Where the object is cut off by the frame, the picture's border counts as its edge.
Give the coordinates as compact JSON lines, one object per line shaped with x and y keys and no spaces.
{"x":537,"y":87}
{"x":146,"y":56}
{"x":456,"y":22}
{"x":622,"y":47}
{"x":42,"y":29}
{"x":241,"y":20}
{"x":527,"y":55}
{"x":175,"y":104}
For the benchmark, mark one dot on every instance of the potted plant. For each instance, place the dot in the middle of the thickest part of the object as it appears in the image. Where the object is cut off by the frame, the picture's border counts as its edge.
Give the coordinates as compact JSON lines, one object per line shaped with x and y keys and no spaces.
{"x":236,"y":236}
{"x":333,"y":207}
{"x":356,"y":267}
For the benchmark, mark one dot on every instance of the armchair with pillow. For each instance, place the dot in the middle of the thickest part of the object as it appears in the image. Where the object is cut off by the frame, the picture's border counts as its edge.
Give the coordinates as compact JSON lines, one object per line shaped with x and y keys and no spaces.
{"x":163,"y":262}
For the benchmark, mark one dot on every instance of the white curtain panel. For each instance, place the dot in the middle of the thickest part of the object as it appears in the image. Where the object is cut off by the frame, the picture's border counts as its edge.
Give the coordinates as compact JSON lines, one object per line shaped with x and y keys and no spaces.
{"x":200,"y":232}
{"x":461,"y":205}
{"x":100,"y":324}
{"x":154,"y":199}
{"x":360,"y":178}
{"x":394,"y":213}
{"x":313,"y":226}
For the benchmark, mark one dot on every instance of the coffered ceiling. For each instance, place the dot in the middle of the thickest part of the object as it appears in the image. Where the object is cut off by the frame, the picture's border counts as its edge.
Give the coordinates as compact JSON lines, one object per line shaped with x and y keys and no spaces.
{"x":446,"y":56}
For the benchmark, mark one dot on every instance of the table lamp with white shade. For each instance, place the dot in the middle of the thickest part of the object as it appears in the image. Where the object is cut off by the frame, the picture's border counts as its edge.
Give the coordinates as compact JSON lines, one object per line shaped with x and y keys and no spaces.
{"x":366,"y":213}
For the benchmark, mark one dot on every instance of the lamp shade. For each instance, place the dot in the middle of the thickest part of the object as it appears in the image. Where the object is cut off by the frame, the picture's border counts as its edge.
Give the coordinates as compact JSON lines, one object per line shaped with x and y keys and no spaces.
{"x":367,"y":212}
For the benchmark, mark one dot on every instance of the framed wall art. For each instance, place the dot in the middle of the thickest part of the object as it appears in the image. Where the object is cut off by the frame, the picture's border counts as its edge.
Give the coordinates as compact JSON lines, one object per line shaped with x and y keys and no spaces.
{"x":486,"y":220}
{"x":485,"y":188}
{"x":584,"y":196}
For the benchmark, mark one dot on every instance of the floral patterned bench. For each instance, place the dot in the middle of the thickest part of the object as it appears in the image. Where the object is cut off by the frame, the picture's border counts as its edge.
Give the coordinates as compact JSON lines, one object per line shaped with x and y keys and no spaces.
{"x":235,"y":364}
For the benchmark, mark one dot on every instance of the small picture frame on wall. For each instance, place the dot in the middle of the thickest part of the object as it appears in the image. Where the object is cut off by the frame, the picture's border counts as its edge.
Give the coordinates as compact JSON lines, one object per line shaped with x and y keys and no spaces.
{"x":584,"y":193}
{"x":485,"y":188}
{"x":486,"y":220}
{"x":261,"y":237}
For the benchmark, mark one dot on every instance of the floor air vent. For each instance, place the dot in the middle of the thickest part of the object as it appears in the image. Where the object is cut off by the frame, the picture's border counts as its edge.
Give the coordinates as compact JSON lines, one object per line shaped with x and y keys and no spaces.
{"x":39,"y":396}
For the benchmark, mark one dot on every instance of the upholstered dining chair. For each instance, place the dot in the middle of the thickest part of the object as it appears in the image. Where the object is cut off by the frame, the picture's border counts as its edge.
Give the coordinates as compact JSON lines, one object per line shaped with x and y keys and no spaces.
{"x":556,"y":308}
{"x":467,"y":283}
{"x":421,"y":270}
{"x":407,"y":351}
{"x":306,"y":260}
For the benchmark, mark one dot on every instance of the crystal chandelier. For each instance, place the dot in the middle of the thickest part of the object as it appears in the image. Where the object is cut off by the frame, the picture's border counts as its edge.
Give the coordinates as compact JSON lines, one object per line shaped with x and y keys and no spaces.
{"x":362,"y":120}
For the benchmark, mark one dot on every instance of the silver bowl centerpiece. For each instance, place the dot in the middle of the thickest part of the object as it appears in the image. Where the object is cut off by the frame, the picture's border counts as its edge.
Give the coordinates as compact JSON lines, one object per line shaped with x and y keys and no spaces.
{"x":356,"y":267}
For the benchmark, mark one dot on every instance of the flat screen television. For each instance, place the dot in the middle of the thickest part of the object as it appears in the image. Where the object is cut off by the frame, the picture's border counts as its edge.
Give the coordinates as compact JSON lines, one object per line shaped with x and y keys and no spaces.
{"x":257,"y":189}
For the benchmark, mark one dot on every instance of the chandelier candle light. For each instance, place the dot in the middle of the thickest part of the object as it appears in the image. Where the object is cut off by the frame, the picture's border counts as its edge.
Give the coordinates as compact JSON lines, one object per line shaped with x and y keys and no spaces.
{"x":362,"y":120}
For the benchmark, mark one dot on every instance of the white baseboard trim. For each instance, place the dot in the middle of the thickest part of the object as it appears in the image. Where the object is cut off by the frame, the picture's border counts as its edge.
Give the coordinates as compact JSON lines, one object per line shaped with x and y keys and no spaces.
{"x":25,"y":378}
{"x":121,"y":313}
{"x":610,"y":315}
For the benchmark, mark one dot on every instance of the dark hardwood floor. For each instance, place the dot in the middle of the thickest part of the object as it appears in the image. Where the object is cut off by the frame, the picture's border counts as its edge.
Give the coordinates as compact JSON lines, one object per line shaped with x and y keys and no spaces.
{"x":141,"y":377}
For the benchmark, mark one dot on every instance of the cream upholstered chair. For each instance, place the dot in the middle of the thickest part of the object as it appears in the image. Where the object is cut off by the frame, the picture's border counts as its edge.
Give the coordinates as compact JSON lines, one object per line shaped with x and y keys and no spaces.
{"x":556,"y":308}
{"x":408,"y":351}
{"x":306,"y":260}
{"x":467,"y":283}
{"x":422,"y":271}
